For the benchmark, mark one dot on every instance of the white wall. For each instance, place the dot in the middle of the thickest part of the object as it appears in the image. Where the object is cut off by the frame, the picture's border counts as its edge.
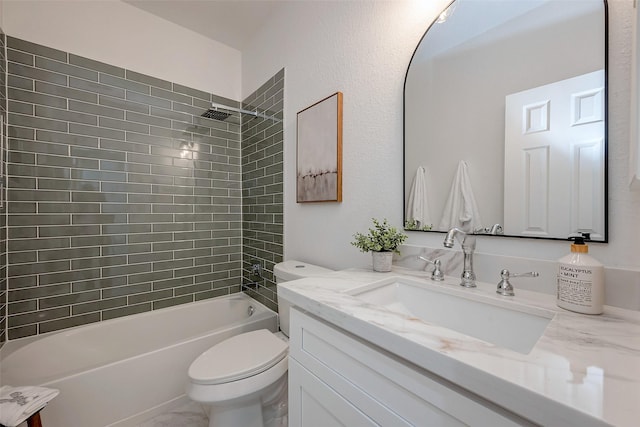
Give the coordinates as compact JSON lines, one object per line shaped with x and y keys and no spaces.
{"x":363,"y":49}
{"x":119,"y":34}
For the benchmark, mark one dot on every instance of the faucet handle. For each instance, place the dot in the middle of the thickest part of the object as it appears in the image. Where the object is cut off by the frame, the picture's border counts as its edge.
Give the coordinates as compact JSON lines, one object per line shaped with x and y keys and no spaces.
{"x":437,"y":273}
{"x":494,"y":230}
{"x":505,"y":288}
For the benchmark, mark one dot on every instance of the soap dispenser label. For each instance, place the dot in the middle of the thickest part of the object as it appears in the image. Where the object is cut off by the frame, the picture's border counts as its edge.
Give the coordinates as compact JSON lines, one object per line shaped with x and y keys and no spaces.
{"x":576,"y":289}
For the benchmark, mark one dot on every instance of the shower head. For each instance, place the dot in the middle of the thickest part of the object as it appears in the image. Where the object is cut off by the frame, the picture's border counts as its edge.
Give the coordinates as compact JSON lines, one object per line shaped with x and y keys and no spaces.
{"x":215,"y":114}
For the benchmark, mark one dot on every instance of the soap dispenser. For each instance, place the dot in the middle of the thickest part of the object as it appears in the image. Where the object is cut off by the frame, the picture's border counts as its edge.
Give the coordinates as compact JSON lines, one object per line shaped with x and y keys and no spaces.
{"x":580,"y":279}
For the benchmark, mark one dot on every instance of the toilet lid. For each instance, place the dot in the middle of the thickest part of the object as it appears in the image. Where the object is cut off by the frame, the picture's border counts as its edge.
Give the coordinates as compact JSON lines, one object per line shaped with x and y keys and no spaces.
{"x":238,"y":357}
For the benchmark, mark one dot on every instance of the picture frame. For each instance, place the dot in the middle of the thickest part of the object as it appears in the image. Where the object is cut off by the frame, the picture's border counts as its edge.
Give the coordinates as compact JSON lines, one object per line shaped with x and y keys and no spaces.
{"x":319,"y":151}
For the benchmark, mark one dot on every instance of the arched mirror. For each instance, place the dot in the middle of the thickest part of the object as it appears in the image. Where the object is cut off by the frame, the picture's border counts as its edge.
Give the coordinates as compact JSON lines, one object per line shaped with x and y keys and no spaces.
{"x":505,"y":110}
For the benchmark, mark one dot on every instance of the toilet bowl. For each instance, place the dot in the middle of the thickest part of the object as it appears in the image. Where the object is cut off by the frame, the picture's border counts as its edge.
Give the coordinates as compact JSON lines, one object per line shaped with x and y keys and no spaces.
{"x":243,"y":379}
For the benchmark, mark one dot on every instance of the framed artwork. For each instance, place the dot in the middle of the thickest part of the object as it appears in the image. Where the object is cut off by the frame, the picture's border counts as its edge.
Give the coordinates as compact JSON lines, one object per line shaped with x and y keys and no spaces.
{"x":319,"y":151}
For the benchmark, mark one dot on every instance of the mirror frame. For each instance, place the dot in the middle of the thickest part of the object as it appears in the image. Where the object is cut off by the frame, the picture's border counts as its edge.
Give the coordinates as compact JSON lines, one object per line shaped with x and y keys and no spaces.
{"x":605,"y":6}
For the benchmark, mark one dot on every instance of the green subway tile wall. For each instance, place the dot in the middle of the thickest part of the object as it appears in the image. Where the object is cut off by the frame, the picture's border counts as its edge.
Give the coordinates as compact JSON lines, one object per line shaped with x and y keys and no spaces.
{"x":262,"y":189}
{"x":123,"y":199}
{"x":3,"y":204}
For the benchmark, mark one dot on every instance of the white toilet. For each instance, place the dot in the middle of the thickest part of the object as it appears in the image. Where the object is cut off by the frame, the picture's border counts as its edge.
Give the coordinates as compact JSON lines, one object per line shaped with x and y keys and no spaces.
{"x":244,"y":378}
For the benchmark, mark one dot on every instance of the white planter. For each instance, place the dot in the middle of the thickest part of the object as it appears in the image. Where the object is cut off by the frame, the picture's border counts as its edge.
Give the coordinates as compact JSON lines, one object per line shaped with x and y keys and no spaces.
{"x":382,"y":261}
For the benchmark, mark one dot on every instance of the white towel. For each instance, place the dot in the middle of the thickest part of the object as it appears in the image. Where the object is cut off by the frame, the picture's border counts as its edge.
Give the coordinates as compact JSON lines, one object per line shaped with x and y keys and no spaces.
{"x":418,"y":203}
{"x":461,"y":209}
{"x":19,"y":403}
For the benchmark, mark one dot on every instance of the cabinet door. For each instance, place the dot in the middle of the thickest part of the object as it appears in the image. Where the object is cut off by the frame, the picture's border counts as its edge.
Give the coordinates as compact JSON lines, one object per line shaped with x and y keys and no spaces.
{"x":314,"y":404}
{"x":389,"y":390}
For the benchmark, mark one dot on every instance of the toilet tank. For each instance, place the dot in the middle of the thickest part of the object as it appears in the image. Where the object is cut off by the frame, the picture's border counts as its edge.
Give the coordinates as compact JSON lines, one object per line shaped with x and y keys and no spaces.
{"x":292,"y":270}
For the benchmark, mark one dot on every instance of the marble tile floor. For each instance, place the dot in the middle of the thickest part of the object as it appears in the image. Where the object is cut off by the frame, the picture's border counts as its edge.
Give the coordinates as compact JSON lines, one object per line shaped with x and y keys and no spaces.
{"x":189,"y":415}
{"x":192,"y":414}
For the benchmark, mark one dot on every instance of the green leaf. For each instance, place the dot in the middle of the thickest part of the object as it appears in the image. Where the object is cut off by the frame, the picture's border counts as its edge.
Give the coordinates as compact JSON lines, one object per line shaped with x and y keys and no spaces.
{"x":381,"y":238}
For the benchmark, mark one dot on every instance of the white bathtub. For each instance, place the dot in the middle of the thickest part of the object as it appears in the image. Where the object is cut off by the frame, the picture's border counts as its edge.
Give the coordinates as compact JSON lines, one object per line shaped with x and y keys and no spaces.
{"x":122,"y":371}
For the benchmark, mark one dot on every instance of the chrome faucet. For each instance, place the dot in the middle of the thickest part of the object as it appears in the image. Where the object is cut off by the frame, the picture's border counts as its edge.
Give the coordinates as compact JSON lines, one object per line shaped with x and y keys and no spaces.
{"x":437,"y":273}
{"x":468,"y":243}
{"x":494,"y":230}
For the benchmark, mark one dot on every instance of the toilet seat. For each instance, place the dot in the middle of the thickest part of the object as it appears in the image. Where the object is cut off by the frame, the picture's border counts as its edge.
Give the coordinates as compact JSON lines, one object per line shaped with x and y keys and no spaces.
{"x":238,"y":357}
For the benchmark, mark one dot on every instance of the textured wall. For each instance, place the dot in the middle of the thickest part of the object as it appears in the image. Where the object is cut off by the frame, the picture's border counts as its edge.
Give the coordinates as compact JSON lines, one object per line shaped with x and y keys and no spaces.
{"x":361,"y":48}
{"x":262,"y":189}
{"x":122,"y":198}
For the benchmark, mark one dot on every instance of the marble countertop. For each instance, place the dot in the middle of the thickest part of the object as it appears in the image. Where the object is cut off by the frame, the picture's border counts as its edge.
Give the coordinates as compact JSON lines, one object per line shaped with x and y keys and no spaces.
{"x":583,"y":371}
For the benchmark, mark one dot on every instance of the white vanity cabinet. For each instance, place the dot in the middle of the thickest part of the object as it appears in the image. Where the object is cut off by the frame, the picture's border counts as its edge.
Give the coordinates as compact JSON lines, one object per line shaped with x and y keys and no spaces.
{"x":337,"y":379}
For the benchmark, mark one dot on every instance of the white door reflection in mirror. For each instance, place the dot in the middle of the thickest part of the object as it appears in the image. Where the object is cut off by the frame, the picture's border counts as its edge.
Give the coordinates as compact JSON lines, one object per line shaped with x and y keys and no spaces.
{"x":554,"y":151}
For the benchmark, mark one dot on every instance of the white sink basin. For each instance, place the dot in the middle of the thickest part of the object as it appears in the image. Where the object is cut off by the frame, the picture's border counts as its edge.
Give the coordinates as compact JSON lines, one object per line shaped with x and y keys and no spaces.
{"x":493,"y":320}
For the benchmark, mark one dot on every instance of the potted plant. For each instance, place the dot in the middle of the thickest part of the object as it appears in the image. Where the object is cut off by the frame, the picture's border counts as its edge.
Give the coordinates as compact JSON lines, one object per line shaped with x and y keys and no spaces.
{"x":382,"y":241}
